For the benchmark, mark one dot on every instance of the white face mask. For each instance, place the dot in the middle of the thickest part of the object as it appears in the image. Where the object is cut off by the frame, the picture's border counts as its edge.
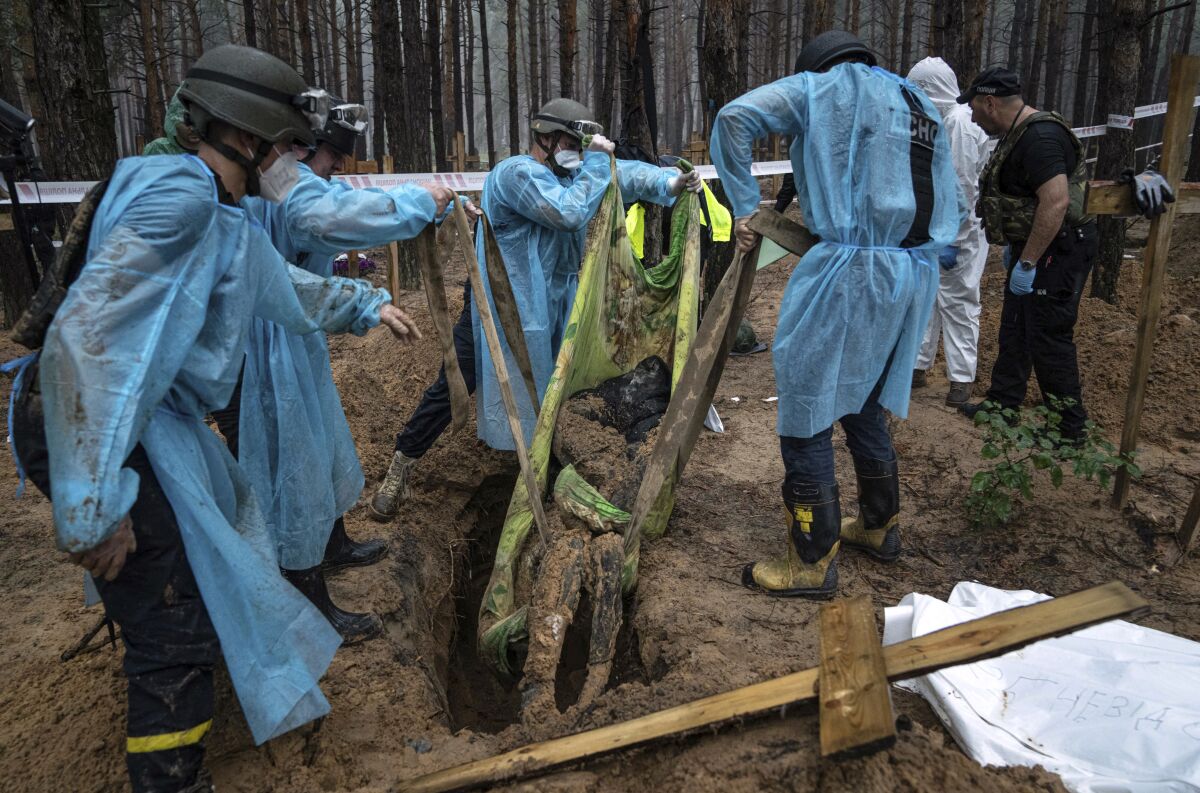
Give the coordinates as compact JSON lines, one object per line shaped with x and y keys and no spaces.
{"x":568,"y":159}
{"x":276,"y":182}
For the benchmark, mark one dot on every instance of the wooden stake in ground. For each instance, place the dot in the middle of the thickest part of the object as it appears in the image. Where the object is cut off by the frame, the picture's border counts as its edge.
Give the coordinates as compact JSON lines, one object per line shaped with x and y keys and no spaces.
{"x":970,"y":641}
{"x":435,"y":296}
{"x":1187,"y":530}
{"x":856,"y":705}
{"x":1185,"y":75}
{"x":483,"y":306}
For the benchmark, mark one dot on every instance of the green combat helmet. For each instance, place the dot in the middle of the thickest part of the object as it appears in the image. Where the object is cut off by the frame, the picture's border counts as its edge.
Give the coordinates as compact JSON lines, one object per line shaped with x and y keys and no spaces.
{"x":565,"y":116}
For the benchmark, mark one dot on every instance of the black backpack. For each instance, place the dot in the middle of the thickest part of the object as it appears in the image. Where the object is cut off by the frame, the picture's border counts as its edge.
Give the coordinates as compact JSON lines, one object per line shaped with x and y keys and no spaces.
{"x":30,"y":329}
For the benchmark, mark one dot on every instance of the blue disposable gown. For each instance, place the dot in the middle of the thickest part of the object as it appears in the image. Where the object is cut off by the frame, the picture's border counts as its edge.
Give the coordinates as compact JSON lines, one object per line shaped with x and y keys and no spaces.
{"x":294,"y":443}
{"x":147,"y":342}
{"x":856,"y":298}
{"x":541,"y":224}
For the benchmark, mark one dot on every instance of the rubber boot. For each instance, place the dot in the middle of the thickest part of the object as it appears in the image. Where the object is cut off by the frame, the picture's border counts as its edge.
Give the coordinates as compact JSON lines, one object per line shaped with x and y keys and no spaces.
{"x":394,"y":490}
{"x":354,"y":628}
{"x":808,"y":569}
{"x":342,"y":552}
{"x":876,"y":530}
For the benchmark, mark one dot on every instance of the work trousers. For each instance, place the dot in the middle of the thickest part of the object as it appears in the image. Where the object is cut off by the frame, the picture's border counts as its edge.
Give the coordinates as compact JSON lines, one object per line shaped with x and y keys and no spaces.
{"x":170,"y":644}
{"x":809,"y":461}
{"x":433,"y":414}
{"x":1037,"y":331}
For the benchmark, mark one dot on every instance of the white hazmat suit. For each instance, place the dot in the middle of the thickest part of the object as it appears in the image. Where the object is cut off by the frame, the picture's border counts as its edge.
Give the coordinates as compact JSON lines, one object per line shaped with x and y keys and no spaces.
{"x":955,"y":316}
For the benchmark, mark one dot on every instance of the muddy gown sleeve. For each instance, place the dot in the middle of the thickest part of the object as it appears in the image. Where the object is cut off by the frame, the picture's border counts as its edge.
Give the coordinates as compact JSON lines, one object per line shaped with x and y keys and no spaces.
{"x":533,"y":191}
{"x":115,"y":347}
{"x":326,"y":218}
{"x":778,"y":107}
{"x":641,"y":181}
{"x":303,"y":302}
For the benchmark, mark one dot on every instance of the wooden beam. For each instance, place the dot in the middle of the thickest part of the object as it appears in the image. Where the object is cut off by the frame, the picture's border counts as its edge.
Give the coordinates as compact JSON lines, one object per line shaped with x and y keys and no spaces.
{"x":970,"y":641}
{"x":1110,"y":198}
{"x":1185,"y":75}
{"x":787,"y":233}
{"x":492,"y":338}
{"x":1187,"y":529}
{"x":856,"y":705}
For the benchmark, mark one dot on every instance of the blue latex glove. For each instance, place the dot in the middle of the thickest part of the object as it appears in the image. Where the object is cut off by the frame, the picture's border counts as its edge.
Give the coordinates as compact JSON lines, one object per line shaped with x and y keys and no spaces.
{"x":1020,"y":281}
{"x":1006,"y":259}
{"x":948,"y":258}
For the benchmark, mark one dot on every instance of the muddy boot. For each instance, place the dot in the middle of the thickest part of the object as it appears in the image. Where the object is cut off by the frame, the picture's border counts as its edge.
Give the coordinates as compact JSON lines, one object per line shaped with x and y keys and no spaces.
{"x":876,"y":530}
{"x":354,"y":628}
{"x":394,"y":490}
{"x":342,"y":552}
{"x":808,"y":569}
{"x":920,"y":378}
{"x":959,"y":394}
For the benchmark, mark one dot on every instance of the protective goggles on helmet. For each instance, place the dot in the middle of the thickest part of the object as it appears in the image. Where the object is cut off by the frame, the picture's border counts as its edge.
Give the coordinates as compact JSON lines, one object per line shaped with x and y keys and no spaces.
{"x":351,"y":117}
{"x":313,"y":103}
{"x":579,"y":128}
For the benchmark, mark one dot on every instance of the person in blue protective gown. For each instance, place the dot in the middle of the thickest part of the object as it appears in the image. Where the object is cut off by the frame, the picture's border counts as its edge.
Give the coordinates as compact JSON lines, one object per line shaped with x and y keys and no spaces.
{"x":876,"y":184}
{"x":148,"y":340}
{"x":539,"y":205}
{"x":286,"y":426}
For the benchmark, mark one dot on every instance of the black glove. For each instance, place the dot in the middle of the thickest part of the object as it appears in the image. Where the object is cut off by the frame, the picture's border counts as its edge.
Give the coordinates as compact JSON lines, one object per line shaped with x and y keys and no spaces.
{"x":1151,"y":192}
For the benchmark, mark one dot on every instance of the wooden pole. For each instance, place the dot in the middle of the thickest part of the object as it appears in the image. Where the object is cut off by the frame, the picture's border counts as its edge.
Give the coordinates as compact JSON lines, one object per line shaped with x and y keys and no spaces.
{"x":506,"y":394}
{"x":1187,"y":530}
{"x":1185,"y":75}
{"x":986,"y":637}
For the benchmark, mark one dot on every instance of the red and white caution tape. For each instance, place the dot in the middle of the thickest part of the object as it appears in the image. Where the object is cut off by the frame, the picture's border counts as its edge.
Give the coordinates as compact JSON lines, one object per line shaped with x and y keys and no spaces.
{"x":472,"y":181}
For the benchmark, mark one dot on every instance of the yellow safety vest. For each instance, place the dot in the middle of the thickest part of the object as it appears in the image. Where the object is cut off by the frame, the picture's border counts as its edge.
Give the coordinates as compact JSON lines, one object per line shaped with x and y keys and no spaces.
{"x":635,"y":222}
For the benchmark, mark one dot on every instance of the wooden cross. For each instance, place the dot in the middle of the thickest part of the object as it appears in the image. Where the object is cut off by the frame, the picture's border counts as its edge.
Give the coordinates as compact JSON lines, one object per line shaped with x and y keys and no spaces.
{"x":851,"y":685}
{"x":1108,"y":198}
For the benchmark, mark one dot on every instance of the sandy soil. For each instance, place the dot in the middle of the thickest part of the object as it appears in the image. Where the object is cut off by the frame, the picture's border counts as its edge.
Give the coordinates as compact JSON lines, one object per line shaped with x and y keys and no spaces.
{"x":419,"y":700}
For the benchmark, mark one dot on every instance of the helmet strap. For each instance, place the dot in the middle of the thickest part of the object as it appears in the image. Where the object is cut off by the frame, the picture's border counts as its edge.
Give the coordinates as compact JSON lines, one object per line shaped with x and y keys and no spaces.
{"x":250,"y":166}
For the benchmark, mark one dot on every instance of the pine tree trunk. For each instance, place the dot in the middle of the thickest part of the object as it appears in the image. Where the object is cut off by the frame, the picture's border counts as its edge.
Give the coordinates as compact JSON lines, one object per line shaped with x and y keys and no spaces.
{"x":432,"y":63}
{"x":1054,"y":57}
{"x":605,"y":107}
{"x":249,"y":23}
{"x":972,"y":42}
{"x":514,"y":124}
{"x":308,"y":69}
{"x":378,"y":120}
{"x":1087,"y":45}
{"x":1016,"y":29}
{"x":154,"y":107}
{"x":334,"y":72}
{"x":469,"y":76}
{"x":488,"y":116}
{"x":1032,"y":81}
{"x":410,"y":148}
{"x":353,"y":92}
{"x":1119,"y":73}
{"x":567,"y":42}
{"x":543,"y":32}
{"x":596,"y":18}
{"x":535,"y":74}
{"x":456,"y":34}
{"x":450,"y":116}
{"x":719,"y":86}
{"x":906,"y":39}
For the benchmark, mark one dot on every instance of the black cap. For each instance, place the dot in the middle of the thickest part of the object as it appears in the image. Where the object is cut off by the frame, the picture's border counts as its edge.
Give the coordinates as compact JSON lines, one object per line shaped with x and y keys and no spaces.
{"x":828,"y":47}
{"x":993,"y":81}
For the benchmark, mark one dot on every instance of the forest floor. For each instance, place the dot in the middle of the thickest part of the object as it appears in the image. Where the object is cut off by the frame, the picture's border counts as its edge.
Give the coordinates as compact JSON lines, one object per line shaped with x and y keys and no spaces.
{"x":419,"y":699}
